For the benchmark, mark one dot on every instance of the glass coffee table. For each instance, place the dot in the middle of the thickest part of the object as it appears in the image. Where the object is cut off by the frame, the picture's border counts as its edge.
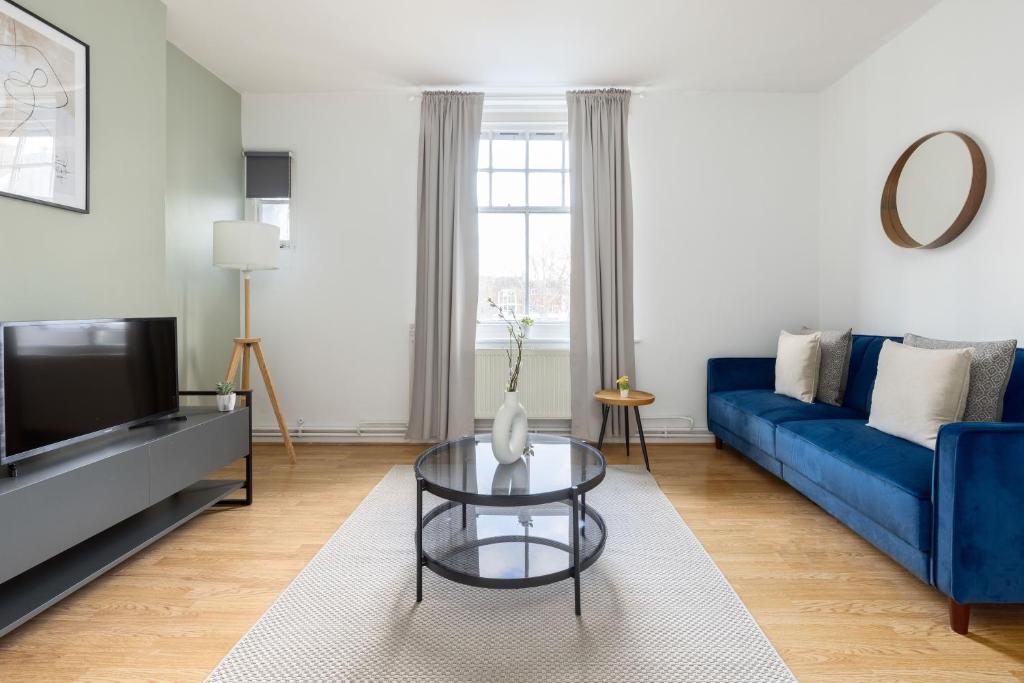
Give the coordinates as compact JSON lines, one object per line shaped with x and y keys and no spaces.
{"x":508,"y":526}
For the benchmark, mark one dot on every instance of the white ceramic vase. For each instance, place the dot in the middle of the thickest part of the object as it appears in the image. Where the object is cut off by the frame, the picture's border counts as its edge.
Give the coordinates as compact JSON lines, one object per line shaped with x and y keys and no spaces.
{"x":623,"y":393}
{"x":508,"y":435}
{"x":226,"y":402}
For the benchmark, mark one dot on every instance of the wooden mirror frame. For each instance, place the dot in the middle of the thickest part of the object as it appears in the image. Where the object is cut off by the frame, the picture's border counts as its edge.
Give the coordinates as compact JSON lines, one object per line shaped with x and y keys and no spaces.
{"x":891,"y":223}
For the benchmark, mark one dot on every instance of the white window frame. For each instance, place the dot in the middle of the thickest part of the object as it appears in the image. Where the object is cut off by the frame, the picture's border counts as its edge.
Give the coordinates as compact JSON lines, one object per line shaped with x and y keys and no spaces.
{"x":252,"y":213}
{"x":554,"y":334}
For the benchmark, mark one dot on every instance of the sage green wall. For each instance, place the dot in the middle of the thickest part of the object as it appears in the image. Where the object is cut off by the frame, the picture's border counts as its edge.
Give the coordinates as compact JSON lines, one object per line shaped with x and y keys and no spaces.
{"x":110,"y":262}
{"x":204,"y":184}
{"x":165,"y":163}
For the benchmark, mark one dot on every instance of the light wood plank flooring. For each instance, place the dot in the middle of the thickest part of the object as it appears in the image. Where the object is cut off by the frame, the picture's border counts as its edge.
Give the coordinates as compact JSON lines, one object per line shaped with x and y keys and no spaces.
{"x":836,"y":609}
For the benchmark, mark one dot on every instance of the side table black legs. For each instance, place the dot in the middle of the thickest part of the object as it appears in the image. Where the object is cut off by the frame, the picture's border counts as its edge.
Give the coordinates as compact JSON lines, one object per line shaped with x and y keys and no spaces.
{"x":604,"y":423}
{"x":643,"y":443}
{"x":639,"y":428}
{"x":625,"y":424}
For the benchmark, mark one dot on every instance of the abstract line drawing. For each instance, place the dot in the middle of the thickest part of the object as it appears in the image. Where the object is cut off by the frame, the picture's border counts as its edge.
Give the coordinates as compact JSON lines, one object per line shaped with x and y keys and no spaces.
{"x":44,"y":130}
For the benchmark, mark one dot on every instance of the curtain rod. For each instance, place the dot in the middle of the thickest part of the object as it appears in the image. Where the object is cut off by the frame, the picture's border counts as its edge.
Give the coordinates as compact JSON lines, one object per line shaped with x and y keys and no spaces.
{"x":545,"y":94}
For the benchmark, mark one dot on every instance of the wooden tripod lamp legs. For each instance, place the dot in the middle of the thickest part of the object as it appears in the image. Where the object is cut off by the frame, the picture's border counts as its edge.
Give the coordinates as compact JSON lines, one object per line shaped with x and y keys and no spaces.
{"x":243,"y":345}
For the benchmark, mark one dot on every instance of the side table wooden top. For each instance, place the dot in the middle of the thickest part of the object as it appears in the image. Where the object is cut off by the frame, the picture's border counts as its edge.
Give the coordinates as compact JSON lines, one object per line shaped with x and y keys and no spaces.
{"x":636,"y":398}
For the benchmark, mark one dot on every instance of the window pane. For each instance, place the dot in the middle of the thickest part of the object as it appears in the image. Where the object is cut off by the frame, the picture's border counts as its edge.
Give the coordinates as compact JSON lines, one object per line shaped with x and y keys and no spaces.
{"x":509,"y":153}
{"x":483,"y":189}
{"x":545,"y":189}
{"x":546,"y":153}
{"x":484,"y":155}
{"x":567,"y":189}
{"x":509,"y":189}
{"x":549,"y":266}
{"x":277,"y":213}
{"x":502,"y":264}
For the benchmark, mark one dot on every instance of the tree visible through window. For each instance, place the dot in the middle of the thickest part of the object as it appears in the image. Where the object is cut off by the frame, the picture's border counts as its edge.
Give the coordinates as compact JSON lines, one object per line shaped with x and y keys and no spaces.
{"x":523,"y":198}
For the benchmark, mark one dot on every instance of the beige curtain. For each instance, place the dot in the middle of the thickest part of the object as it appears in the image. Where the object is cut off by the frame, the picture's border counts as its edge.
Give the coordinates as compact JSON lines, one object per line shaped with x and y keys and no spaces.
{"x":447,"y":264}
{"x":601,"y":305}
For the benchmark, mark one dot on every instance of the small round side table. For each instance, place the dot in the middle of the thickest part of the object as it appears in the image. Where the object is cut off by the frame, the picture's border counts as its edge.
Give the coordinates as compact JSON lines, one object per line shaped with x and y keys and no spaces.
{"x":608,"y":398}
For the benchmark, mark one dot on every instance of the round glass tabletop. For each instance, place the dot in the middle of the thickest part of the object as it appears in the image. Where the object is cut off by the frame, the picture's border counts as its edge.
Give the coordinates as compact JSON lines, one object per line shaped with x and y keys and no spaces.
{"x":465,"y":470}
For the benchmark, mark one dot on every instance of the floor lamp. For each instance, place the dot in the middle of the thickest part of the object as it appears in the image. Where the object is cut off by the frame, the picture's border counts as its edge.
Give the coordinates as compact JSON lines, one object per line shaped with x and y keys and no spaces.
{"x":249,"y":246}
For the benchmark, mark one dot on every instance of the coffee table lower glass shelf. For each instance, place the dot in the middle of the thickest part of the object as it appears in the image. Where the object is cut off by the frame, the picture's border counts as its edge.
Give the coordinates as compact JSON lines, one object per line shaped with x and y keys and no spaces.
{"x":508,"y":547}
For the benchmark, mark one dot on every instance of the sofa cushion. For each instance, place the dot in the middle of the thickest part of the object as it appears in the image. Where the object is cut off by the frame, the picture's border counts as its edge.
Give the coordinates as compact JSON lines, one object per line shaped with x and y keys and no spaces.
{"x":1013,"y":404}
{"x":991,"y":364}
{"x":753,"y":413}
{"x":796,"y":365}
{"x":917,"y":391}
{"x":863,"y":367}
{"x":886,"y":478}
{"x":835,"y":364}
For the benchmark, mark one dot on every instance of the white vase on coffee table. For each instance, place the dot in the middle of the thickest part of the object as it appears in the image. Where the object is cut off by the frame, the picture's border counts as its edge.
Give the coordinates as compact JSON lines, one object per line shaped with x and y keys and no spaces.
{"x":508,"y":435}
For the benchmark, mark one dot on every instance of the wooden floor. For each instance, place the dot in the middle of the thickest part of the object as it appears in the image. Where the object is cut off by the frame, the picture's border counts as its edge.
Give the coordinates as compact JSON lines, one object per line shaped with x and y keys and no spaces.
{"x":836,"y":609}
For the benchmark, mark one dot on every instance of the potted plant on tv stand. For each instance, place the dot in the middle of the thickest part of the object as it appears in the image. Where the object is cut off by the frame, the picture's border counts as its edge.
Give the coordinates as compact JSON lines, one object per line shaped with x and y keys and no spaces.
{"x":508,"y":434}
{"x":226,"y":396}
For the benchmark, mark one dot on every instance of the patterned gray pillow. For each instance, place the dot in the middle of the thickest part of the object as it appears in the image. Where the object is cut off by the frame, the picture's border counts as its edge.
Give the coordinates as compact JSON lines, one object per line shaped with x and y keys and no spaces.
{"x":990,"y":373}
{"x":835,"y":364}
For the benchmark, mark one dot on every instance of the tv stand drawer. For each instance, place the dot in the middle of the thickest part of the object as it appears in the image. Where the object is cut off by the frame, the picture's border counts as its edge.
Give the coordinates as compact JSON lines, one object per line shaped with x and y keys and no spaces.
{"x":65,"y":497}
{"x":59,"y":512}
{"x":191,"y":453}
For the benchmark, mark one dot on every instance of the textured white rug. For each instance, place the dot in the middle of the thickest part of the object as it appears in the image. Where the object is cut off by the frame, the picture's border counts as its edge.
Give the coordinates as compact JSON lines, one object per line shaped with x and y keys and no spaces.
{"x":655,"y":608}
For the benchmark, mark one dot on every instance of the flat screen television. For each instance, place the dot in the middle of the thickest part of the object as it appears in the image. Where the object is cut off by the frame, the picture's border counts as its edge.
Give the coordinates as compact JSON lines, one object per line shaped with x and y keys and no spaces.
{"x":65,"y":381}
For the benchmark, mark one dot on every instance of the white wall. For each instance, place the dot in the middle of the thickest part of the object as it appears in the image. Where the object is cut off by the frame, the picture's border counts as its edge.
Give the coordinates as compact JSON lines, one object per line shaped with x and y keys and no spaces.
{"x":725,"y":193}
{"x":958,"y":68}
{"x":335,"y":318}
{"x":725,"y":202}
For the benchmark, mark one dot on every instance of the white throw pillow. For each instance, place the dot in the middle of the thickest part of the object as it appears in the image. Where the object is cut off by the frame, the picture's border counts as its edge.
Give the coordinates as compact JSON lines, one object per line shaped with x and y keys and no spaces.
{"x":796,"y":365}
{"x":919,"y":390}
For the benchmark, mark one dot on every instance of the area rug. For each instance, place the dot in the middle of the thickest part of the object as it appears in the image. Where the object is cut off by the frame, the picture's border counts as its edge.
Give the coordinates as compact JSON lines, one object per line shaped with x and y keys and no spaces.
{"x":655,"y":608}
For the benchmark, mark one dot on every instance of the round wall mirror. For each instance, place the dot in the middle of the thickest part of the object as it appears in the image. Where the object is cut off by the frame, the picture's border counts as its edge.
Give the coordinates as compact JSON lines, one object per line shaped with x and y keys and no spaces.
{"x":934,"y":191}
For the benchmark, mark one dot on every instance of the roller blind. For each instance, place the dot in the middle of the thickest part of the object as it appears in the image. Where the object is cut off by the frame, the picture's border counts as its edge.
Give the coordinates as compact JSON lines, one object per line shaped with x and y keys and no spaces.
{"x":268,"y":175}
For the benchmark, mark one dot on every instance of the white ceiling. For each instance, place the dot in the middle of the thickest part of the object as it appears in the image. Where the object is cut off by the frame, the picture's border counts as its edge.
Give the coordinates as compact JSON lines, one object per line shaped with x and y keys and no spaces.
{"x":284,"y":46}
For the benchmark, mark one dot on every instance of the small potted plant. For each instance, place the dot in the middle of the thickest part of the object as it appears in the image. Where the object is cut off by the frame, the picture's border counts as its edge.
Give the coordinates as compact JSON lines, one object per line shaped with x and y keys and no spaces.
{"x":623,"y":384}
{"x":226,"y":396}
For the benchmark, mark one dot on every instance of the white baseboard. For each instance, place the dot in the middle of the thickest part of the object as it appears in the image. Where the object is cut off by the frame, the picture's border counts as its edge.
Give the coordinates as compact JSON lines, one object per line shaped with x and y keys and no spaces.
{"x":395,"y":433}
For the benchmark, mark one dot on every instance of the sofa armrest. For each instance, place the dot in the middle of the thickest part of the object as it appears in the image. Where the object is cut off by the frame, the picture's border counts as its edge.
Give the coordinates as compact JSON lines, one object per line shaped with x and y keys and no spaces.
{"x":732,"y":374}
{"x":978,"y":498}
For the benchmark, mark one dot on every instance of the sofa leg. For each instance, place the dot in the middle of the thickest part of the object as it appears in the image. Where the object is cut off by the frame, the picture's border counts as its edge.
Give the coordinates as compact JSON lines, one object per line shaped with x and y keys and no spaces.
{"x":718,"y":443}
{"x":959,"y":616}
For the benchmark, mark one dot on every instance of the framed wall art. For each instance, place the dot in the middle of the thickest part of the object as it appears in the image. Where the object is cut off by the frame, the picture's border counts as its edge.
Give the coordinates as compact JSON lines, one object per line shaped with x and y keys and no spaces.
{"x":44,"y":111}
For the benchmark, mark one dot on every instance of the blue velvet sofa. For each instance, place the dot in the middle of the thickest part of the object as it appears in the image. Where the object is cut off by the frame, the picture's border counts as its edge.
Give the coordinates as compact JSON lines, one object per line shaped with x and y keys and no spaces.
{"x":954,"y":517}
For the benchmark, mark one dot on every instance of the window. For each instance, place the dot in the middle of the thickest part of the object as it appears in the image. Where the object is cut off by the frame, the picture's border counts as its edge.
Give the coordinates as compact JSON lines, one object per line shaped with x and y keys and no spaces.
{"x":523,"y":199}
{"x":268,"y":190}
{"x":275,"y":212}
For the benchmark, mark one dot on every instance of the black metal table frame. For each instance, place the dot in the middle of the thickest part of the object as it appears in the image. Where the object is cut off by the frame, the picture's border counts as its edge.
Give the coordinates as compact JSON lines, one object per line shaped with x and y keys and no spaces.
{"x":605,"y":409}
{"x":576,"y":497}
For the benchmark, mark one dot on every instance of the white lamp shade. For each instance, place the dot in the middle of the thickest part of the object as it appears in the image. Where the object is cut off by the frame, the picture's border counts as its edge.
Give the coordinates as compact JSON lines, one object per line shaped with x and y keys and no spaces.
{"x":246,"y":245}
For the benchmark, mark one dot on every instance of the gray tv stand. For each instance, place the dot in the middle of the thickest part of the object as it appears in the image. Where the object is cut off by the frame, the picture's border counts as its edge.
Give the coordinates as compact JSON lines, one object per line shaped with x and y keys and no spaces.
{"x":72,"y":514}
